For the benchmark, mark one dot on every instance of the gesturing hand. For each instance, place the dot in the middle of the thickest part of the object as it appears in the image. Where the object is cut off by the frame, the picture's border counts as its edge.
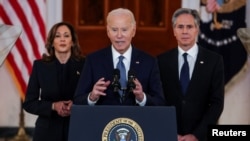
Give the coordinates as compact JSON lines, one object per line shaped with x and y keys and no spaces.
{"x":138,"y":91}
{"x":98,"y":89}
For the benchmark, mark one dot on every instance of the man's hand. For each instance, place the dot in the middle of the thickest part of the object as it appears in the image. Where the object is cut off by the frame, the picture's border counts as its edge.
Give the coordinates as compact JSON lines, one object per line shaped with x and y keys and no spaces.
{"x":138,"y":91}
{"x":98,"y":89}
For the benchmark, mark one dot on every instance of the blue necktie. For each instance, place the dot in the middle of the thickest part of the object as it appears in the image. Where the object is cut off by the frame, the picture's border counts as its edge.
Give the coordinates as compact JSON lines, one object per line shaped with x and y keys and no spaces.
{"x":121,"y":67}
{"x":184,"y":76}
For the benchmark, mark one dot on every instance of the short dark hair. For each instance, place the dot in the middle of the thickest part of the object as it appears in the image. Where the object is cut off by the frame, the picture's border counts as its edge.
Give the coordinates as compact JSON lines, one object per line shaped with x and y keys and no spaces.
{"x":192,"y":12}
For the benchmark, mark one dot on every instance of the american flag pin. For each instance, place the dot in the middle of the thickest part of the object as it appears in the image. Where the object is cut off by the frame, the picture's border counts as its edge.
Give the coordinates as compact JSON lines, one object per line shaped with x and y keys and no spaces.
{"x":77,"y":72}
{"x":137,"y":62}
{"x":201,"y":62}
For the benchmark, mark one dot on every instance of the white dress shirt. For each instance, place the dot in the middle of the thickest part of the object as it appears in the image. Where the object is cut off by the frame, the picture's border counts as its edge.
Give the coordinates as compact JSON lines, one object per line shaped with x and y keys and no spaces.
{"x":191,"y":58}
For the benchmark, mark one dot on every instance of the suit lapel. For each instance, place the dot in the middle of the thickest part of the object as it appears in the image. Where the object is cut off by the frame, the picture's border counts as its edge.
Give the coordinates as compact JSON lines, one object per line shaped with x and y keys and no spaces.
{"x":107,"y":62}
{"x":175,"y":64}
{"x":52,"y":75}
{"x":175,"y":67}
{"x":135,"y":60}
{"x":199,"y":65}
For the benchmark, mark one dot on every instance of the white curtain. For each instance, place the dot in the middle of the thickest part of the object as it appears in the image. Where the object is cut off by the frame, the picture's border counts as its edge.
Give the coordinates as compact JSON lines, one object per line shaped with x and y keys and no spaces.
{"x":248,"y":14}
{"x":194,"y":4}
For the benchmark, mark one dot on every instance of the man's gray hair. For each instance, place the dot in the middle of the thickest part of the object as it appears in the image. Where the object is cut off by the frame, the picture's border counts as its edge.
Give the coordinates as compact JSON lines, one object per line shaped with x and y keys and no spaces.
{"x":119,"y":11}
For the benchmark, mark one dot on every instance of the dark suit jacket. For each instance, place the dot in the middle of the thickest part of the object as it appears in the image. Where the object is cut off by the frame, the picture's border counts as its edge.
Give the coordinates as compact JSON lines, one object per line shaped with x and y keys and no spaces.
{"x":46,"y":82}
{"x":100,"y":64}
{"x":203,"y":102}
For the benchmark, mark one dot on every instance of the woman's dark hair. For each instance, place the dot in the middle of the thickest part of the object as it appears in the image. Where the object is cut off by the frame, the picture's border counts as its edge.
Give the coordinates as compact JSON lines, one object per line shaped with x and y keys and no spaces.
{"x":75,"y":49}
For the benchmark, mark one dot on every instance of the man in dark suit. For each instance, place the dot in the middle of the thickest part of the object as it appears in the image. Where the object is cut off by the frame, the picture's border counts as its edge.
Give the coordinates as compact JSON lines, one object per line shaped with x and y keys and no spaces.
{"x":201,"y":103}
{"x":95,"y":85}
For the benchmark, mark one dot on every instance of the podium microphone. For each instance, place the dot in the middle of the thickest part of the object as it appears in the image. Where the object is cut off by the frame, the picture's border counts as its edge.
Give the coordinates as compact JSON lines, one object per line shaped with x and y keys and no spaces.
{"x":131,"y":84}
{"x":116,"y":83}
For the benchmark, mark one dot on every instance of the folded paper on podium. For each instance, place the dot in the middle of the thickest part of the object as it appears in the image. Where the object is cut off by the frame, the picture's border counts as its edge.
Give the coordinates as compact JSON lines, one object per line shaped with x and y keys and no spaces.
{"x":122,"y":123}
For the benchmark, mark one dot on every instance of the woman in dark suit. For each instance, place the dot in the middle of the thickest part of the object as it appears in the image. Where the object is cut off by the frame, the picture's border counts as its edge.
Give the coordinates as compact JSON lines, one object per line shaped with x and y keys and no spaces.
{"x":52,"y":84}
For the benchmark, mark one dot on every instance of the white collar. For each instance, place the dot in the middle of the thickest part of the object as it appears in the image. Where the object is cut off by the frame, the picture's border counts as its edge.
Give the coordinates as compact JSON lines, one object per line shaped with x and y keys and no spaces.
{"x":127,"y":54}
{"x":193,"y":51}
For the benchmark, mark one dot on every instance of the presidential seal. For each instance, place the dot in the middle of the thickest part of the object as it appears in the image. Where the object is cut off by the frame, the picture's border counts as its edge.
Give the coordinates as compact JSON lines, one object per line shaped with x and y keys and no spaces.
{"x":122,"y":129}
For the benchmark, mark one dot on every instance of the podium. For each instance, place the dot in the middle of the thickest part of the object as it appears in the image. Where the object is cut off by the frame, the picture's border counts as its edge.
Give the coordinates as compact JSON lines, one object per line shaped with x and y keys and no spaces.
{"x":122,"y":123}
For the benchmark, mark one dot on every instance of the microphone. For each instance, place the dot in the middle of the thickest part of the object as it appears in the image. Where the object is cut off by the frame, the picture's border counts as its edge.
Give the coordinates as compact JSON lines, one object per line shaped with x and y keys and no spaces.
{"x":116,"y":83}
{"x":131,"y":84}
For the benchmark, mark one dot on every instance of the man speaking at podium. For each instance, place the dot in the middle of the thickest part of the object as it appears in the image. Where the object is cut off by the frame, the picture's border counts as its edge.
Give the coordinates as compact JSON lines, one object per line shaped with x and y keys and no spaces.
{"x":120,"y":74}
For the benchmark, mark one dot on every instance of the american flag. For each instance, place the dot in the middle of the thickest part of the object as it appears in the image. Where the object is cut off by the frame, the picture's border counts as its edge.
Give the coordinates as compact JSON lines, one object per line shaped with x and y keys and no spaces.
{"x":30,"y":16}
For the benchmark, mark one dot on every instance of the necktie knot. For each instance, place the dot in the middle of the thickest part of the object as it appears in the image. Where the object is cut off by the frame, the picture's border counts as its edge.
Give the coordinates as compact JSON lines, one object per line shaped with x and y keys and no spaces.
{"x":121,"y":58}
{"x":185,"y":56}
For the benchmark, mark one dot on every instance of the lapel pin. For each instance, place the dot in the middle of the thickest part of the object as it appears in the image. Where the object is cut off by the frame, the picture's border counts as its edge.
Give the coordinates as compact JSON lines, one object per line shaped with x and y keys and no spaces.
{"x":77,"y":72}
{"x":201,"y":62}
{"x":137,"y":62}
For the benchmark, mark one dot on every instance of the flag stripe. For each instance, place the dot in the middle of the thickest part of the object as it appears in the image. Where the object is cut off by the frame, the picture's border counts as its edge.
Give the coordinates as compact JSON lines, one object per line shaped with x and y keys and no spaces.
{"x":38,"y":17}
{"x":17,"y":72}
{"x":30,"y":16}
{"x":13,"y":76}
{"x":19,"y":45}
{"x":25,"y":25}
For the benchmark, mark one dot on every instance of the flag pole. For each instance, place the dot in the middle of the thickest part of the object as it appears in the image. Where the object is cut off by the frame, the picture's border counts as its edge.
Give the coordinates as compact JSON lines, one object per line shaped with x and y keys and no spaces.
{"x":21,"y":134}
